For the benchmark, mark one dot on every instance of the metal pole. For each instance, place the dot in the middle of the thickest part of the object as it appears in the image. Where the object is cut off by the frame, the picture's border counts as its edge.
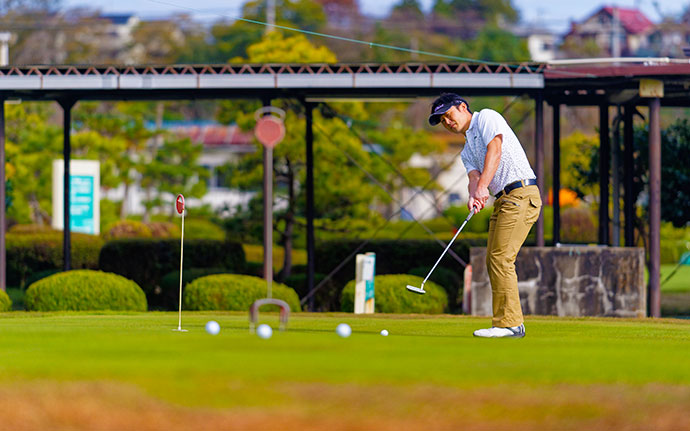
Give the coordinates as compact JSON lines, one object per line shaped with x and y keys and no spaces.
{"x":66,"y":105}
{"x":268,"y":213}
{"x":556,"y":173}
{"x":3,"y":257}
{"x":604,"y":166}
{"x":654,"y":208}
{"x":310,"y":201}
{"x":539,"y":150}
{"x":615,"y":179}
{"x":629,"y":173}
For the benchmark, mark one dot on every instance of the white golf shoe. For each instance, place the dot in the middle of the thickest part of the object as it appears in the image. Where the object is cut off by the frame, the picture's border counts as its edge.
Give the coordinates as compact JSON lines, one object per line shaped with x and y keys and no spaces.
{"x":495,"y":332}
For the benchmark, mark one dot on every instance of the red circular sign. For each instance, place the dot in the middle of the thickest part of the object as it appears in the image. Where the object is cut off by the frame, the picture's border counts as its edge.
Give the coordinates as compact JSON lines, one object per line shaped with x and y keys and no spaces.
{"x":179,"y":204}
{"x":269,"y":131}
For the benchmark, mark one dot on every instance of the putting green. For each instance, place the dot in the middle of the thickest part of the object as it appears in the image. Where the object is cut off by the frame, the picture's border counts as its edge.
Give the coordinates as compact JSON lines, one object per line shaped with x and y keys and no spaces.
{"x":640,"y":364}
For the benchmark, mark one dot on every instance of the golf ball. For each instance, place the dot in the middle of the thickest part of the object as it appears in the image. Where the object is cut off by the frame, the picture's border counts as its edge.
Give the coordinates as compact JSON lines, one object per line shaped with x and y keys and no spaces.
{"x":264,"y":331}
{"x":343,"y":330}
{"x":384,"y":332}
{"x":212,"y":327}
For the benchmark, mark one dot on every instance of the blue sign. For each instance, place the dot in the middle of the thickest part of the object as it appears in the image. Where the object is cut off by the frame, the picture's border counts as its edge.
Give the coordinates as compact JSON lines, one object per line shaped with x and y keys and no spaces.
{"x":81,"y":204}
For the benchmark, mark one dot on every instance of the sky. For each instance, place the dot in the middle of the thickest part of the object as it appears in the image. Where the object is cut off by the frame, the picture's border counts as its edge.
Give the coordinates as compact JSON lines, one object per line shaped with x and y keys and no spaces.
{"x":552,"y":14}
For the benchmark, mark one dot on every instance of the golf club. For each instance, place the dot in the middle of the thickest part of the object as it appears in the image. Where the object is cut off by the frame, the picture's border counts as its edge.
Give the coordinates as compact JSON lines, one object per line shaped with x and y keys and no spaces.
{"x":420,"y":289}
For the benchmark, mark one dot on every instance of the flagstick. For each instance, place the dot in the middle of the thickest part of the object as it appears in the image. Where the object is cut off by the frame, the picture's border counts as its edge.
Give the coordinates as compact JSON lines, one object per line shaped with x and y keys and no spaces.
{"x":179,"y":319}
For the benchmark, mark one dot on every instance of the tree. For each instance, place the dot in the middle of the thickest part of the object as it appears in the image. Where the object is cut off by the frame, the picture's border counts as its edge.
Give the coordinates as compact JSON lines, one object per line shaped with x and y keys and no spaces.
{"x":343,"y":188}
{"x":675,"y":172}
{"x":231,"y":40}
{"x":492,"y":11}
{"x":31,"y":151}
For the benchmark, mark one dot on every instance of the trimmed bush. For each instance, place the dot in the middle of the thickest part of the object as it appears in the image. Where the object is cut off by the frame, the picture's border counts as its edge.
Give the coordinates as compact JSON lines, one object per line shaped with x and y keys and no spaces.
{"x":147,"y":261}
{"x":28,"y":254}
{"x":392,"y":257}
{"x":30,"y":229}
{"x":170,"y":284}
{"x":164,"y":229}
{"x":448,"y":280}
{"x":5,"y":301}
{"x":233,"y":292}
{"x":85,"y":290}
{"x":126,"y":229}
{"x":392,"y":297}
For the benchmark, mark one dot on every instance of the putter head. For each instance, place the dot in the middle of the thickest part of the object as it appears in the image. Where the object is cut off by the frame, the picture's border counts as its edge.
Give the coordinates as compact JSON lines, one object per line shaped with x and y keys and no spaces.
{"x":414,"y":289}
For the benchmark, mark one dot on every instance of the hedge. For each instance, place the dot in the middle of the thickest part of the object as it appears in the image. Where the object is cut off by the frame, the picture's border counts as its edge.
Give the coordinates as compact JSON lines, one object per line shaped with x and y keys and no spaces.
{"x":327,"y":298}
{"x":449,"y":280}
{"x":31,"y":253}
{"x":147,"y":261}
{"x":126,"y":229}
{"x":5,"y":301}
{"x":233,"y":292}
{"x":85,"y":290}
{"x":392,"y":257}
{"x":391,"y":296}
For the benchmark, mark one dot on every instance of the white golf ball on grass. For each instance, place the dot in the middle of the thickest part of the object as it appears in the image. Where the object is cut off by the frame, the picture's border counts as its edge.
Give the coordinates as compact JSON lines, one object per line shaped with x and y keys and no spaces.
{"x":384,"y":332}
{"x":212,"y":327}
{"x":343,"y":330}
{"x":264,"y":331}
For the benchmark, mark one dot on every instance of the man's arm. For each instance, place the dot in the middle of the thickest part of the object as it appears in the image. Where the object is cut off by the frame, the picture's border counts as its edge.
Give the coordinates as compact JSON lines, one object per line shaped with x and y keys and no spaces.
{"x":473,"y":176}
{"x":491,"y":162}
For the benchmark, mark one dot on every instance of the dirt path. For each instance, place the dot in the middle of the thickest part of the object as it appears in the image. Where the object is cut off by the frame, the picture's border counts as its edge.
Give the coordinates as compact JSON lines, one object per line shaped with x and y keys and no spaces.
{"x":114,"y":406}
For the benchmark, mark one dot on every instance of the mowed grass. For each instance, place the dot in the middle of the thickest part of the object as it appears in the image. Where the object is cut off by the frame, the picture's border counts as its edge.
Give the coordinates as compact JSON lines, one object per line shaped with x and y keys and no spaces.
{"x":426,"y":368}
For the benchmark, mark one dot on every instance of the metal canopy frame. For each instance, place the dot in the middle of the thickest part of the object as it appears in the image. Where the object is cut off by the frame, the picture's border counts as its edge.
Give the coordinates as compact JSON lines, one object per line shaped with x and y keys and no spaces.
{"x":570,"y":86}
{"x":618,"y":85}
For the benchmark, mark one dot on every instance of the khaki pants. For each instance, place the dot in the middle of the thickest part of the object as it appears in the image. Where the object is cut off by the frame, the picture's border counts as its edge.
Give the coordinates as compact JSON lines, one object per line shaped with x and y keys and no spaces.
{"x":512,"y":218}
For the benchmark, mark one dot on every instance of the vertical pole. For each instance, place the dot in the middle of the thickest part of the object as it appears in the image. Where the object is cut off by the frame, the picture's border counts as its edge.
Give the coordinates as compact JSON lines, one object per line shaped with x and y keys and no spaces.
{"x":654,"y":208}
{"x":309,"y":112}
{"x":539,"y":150}
{"x":615,"y":179}
{"x":268,"y":214}
{"x":556,"y":173}
{"x":66,"y":105}
{"x":629,"y":174}
{"x":3,"y":264}
{"x":604,"y":166}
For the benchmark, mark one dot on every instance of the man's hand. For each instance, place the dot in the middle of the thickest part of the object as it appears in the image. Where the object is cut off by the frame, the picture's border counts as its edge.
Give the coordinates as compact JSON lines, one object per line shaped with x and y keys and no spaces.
{"x":480,"y":196}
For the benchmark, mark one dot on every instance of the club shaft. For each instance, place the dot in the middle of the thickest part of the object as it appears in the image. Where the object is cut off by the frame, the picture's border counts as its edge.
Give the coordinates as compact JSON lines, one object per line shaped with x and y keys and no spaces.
{"x":448,"y":246}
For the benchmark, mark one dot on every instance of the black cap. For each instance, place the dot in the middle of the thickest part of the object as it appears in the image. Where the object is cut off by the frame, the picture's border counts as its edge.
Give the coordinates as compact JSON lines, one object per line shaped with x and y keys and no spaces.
{"x":443,"y":104}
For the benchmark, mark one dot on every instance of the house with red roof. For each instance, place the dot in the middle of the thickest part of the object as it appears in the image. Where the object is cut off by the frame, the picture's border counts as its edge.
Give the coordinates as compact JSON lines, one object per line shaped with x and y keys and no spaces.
{"x":611,"y":31}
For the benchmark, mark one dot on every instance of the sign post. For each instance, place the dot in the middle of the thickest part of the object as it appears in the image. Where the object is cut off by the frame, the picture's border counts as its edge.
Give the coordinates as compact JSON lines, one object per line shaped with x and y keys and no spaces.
{"x":85,"y":187}
{"x":269,"y":131}
{"x":364,"y":283}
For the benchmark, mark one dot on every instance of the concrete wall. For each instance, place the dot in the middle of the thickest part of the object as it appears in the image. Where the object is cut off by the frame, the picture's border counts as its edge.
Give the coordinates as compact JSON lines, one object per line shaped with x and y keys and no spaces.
{"x":570,"y":281}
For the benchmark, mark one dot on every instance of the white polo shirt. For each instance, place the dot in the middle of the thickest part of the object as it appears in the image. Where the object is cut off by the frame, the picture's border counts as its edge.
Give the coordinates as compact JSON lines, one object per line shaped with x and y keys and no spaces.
{"x":514,"y":166}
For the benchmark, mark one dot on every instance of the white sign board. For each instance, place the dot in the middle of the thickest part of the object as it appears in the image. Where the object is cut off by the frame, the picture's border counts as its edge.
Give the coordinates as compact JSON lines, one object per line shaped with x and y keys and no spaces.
{"x":85,"y":195}
{"x":364,"y":283}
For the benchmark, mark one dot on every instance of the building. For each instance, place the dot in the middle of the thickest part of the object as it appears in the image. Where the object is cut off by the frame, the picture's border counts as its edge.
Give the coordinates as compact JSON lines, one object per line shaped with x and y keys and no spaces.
{"x":611,"y":31}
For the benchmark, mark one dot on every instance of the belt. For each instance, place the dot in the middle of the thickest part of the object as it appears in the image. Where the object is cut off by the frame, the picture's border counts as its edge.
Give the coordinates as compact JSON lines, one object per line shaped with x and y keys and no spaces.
{"x":516,"y":185}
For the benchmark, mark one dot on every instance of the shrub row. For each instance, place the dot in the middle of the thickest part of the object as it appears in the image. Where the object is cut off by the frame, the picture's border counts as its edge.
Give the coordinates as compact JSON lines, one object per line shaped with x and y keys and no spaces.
{"x":393,"y":257}
{"x":148,"y":261}
{"x":392,"y":297}
{"x":39,"y":251}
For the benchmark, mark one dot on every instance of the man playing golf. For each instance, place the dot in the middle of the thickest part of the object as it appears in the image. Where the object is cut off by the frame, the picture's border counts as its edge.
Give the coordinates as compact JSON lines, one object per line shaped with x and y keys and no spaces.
{"x":496,"y":165}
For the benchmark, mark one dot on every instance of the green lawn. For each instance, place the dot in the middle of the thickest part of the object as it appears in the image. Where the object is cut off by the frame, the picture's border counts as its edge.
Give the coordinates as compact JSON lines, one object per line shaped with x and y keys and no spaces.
{"x":679,"y":282}
{"x":428,"y":369}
